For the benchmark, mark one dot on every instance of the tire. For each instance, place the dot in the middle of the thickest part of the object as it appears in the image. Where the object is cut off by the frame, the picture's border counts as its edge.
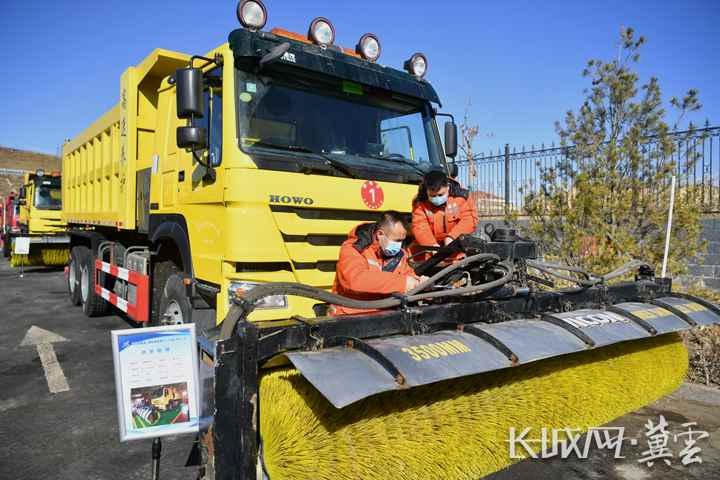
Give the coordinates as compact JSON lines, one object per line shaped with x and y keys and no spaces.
{"x":174,"y":306}
{"x":73,"y":277}
{"x":93,"y":305}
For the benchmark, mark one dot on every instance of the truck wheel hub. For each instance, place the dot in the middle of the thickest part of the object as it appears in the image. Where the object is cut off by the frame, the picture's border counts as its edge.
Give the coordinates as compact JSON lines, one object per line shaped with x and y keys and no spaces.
{"x":173,"y":314}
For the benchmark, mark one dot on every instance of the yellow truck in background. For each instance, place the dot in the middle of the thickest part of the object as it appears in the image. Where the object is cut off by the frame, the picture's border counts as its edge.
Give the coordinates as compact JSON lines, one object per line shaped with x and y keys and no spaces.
{"x":213,"y":174}
{"x":39,"y":219}
{"x":169,"y":399}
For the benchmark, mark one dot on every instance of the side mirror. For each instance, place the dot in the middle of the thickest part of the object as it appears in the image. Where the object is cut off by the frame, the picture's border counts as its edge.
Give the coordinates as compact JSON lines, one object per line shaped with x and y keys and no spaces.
{"x":450,"y":139}
{"x":275,"y":53}
{"x":193,"y":138}
{"x":189,"y":95}
{"x":21,"y":193}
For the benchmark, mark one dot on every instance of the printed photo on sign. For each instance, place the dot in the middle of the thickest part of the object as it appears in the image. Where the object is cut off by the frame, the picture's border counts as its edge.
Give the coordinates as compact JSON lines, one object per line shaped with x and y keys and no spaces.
{"x":160,"y":405}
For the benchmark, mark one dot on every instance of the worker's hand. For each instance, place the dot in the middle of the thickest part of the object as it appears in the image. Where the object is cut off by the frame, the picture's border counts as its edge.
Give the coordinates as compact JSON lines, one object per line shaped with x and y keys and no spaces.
{"x":411,"y":282}
{"x":448,"y":241}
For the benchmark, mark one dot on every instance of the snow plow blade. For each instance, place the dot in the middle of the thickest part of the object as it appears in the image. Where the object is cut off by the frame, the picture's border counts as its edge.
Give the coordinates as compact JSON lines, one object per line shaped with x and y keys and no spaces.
{"x":361,"y":368}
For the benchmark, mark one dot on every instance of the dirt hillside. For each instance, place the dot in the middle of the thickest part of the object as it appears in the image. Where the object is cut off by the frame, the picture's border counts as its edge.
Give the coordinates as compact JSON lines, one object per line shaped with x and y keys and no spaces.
{"x":11,"y":158}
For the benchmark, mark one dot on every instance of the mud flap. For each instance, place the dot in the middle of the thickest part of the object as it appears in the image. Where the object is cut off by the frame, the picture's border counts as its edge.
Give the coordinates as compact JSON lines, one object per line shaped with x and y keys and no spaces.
{"x":359,"y":369}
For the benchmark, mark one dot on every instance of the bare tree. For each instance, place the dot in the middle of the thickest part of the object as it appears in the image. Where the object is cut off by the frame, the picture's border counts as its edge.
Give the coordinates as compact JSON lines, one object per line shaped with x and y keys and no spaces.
{"x":468,"y":133}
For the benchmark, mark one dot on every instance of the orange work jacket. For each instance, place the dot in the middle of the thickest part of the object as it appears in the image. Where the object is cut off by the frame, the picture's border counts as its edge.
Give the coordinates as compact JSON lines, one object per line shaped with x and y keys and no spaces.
{"x":361,"y":271}
{"x":431,"y":224}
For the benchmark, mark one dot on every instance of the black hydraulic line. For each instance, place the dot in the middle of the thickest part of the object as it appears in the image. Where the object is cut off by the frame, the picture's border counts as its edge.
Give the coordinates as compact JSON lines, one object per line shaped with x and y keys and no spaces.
{"x":558,"y":266}
{"x":623,"y":269}
{"x":559,"y":322}
{"x":246,"y":305}
{"x":550,"y":269}
{"x":451,"y":268}
{"x":642,"y":323}
{"x":592,"y":280}
{"x":455,"y":292}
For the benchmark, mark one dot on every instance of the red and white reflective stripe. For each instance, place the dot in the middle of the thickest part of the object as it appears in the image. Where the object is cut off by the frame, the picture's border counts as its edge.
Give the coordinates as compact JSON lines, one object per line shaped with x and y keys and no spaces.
{"x":115,"y":271}
{"x":139,"y":310}
{"x":112,"y":298}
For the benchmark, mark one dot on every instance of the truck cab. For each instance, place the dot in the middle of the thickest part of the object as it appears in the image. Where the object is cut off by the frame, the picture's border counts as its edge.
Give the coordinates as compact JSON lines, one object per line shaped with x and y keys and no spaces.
{"x":250,"y":164}
{"x":39,"y":210}
{"x":41,"y":204}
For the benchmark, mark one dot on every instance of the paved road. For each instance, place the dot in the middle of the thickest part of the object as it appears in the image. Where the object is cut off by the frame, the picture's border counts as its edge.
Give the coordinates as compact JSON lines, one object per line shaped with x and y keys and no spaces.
{"x":73,"y":434}
{"x":70,"y":435}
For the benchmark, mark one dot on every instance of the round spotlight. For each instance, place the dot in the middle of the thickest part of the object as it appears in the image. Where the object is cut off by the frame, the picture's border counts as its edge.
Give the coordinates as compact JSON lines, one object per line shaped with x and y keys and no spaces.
{"x":417,"y":65}
{"x":369,"y":47}
{"x":252,"y":14}
{"x":40,"y":172}
{"x":322,"y":32}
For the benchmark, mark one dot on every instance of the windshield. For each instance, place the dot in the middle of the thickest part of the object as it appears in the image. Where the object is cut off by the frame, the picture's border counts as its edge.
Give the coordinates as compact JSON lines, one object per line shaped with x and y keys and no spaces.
{"x":47,"y":195}
{"x":348,"y":124}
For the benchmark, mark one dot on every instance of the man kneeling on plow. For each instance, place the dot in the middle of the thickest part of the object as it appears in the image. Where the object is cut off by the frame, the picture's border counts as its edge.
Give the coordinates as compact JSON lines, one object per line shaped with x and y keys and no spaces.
{"x":373,"y":263}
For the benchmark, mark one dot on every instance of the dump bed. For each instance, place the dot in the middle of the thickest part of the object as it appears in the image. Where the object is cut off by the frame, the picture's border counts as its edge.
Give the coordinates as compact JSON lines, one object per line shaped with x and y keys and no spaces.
{"x":100,"y":166}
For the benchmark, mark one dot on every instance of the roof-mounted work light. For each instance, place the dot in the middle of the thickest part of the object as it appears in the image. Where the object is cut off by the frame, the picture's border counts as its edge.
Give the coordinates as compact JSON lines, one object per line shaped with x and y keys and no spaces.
{"x":416,"y":65}
{"x":322,"y":32}
{"x":252,"y":14}
{"x":369,"y":47}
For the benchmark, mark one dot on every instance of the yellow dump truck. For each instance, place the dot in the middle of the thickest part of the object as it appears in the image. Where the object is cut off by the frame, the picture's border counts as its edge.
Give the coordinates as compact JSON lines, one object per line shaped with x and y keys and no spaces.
{"x":218,"y":190}
{"x":39,"y":220}
{"x":267,"y":194}
{"x":169,"y":399}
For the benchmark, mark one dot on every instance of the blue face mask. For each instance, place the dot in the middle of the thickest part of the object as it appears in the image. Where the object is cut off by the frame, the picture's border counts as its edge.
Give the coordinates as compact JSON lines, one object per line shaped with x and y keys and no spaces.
{"x":439,"y":200}
{"x":392,"y":248}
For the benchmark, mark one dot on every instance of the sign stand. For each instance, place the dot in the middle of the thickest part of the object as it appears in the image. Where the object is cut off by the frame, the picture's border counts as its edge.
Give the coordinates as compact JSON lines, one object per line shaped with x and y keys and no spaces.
{"x":21,"y":246}
{"x":156,"y":452}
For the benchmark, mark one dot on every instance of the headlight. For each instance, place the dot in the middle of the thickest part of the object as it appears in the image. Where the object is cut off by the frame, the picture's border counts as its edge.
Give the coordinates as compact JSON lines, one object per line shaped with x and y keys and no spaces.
{"x":368,"y":47}
{"x":40,"y":172}
{"x":417,"y":65}
{"x":322,"y":32}
{"x":238,"y":289}
{"x":252,"y":14}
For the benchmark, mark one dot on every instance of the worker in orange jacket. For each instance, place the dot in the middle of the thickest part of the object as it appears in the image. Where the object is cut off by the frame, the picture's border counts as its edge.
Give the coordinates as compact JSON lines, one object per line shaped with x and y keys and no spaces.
{"x":373,"y":263}
{"x":442,"y":211}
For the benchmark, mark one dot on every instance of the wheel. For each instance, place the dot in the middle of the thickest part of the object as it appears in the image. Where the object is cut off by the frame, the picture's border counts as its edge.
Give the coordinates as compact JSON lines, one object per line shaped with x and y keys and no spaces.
{"x":93,"y":305}
{"x":73,"y":277}
{"x":174,"y":306}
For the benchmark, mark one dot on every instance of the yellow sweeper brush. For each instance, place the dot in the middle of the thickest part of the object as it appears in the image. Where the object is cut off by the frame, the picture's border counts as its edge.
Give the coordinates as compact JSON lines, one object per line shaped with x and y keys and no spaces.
{"x":456,"y":429}
{"x":430,"y":387}
{"x":40,"y":255}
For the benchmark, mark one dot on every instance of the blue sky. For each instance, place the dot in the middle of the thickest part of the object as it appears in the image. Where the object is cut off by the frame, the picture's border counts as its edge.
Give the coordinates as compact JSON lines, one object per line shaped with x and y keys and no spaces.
{"x":518,"y":61}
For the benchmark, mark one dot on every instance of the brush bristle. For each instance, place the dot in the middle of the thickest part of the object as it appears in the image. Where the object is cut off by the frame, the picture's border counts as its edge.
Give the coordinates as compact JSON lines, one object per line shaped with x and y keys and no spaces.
{"x":457,"y":429}
{"x":42,"y":256}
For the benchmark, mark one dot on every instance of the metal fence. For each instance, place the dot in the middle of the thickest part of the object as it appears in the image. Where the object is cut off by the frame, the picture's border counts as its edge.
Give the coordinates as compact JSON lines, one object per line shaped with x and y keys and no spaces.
{"x":500,"y":181}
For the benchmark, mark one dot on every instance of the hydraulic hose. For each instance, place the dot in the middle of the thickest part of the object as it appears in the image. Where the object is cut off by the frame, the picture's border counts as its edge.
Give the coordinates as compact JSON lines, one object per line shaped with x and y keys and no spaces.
{"x":623,"y":269}
{"x":551,"y":269}
{"x":591,"y":279}
{"x":298,"y":289}
{"x":451,"y":268}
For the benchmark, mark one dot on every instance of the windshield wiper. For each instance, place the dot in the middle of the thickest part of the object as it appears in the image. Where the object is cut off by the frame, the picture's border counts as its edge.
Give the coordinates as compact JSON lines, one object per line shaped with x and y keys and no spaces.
{"x":337,"y":165}
{"x":403,"y":160}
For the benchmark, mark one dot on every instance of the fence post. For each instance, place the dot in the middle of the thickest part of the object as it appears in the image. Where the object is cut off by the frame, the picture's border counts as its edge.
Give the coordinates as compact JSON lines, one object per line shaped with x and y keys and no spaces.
{"x":507,"y":178}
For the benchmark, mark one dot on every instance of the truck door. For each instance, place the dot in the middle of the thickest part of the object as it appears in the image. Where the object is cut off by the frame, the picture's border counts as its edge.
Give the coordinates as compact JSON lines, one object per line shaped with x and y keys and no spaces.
{"x":201,"y":196}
